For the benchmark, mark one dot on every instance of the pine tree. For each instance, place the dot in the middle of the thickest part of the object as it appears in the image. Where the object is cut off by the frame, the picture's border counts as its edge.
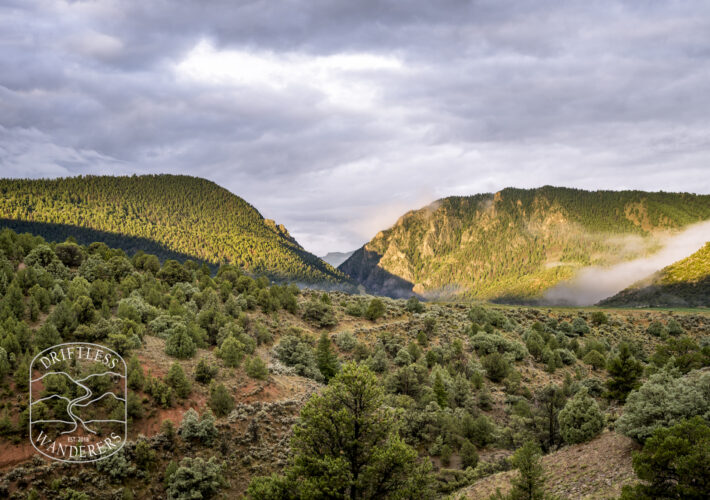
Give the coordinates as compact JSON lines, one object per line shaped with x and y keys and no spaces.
{"x":136,"y":378}
{"x":231,"y":351}
{"x":325,"y":357}
{"x":47,"y":336}
{"x":178,"y":381}
{"x":204,"y":372}
{"x":529,"y":483}
{"x":221,"y":401}
{"x":346,"y":446}
{"x":624,"y":371}
{"x":442,"y":395}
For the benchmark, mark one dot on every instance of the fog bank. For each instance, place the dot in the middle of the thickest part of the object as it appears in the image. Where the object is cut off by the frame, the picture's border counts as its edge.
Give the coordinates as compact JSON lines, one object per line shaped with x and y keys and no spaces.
{"x":595,"y":283}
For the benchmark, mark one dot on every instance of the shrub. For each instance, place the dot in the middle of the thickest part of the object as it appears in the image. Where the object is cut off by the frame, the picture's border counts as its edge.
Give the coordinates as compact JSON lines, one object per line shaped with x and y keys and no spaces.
{"x":136,"y":378}
{"x":581,"y":419}
{"x":194,"y":427}
{"x":172,"y":272}
{"x":345,"y":341}
{"x":116,"y":466}
{"x":414,"y":306}
{"x":196,"y":478}
{"x":41,"y":255}
{"x":579,"y":326}
{"x":319,"y":313}
{"x":161,"y":392}
{"x":375,"y":309}
{"x":145,"y":456}
{"x":256,"y":368}
{"x":47,"y":336}
{"x":567,"y":357}
{"x":674,"y":328}
{"x":69,"y":253}
{"x":656,"y":329}
{"x":663,"y":401}
{"x":296,"y":352}
{"x":496,"y":366}
{"x":595,"y":359}
{"x":378,"y":360}
{"x":488,"y":343}
{"x":599,"y":318}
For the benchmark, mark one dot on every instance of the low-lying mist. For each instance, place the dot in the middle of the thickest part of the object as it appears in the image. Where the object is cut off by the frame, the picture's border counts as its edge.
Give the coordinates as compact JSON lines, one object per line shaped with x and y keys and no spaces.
{"x":595,"y":283}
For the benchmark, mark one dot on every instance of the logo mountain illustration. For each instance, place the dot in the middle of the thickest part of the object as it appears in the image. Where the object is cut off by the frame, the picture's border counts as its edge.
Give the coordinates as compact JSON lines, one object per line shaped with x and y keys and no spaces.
{"x":78,"y":396}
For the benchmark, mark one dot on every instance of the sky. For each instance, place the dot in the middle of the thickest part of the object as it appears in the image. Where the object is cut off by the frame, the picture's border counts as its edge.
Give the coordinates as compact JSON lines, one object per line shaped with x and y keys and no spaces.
{"x":336,"y":117}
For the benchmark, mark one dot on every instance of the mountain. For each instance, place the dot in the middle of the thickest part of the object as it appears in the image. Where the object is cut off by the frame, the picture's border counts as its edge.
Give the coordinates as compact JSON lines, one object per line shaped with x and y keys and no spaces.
{"x":515,"y":244}
{"x":337,"y":258}
{"x":169,"y":215}
{"x":685,"y":283}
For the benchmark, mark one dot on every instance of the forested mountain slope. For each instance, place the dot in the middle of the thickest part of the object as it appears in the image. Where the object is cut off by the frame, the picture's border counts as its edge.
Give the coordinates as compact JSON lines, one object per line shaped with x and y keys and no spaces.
{"x":684,"y":283}
{"x":181,"y":215}
{"x":517,"y":243}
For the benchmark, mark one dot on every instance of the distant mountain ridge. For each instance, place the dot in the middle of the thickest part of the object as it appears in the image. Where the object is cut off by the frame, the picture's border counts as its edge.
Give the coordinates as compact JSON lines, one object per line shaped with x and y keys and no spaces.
{"x":337,"y":258}
{"x":685,"y":283}
{"x":190,"y":216}
{"x":515,"y":244}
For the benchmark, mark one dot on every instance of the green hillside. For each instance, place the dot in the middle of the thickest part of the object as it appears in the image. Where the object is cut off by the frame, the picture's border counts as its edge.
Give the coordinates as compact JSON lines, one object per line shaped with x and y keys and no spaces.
{"x":517,"y":243}
{"x":684,"y":283}
{"x":234,"y":383}
{"x":171,"y":216}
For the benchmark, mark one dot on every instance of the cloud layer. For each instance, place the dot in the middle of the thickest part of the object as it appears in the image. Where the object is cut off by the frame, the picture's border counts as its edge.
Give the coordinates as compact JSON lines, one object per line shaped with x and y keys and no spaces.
{"x":334,"y":117}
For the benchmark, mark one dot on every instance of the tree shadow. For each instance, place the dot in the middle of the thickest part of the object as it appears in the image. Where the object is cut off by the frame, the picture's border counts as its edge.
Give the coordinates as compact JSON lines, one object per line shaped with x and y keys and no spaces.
{"x":86,"y":236}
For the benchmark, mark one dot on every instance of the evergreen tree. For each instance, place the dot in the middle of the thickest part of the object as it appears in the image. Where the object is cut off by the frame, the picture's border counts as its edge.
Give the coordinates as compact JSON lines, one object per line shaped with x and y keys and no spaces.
{"x":178,"y":381}
{"x":549,"y":401}
{"x":231,"y":351}
{"x":204,"y":372}
{"x":47,"y":336}
{"x":4,"y":363}
{"x":325,"y":357}
{"x":528,"y":485}
{"x":346,"y":446}
{"x":439,"y":388}
{"x":180,"y":345}
{"x":624,"y":373}
{"x":469,"y":455}
{"x":580,"y":419}
{"x":375,"y":309}
{"x":256,"y":368}
{"x":674,"y":463}
{"x":221,"y":401}
{"x":136,"y":378}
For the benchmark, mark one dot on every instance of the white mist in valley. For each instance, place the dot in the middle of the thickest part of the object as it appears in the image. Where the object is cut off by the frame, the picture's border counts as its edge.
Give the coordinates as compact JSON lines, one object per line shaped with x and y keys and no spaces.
{"x":595,"y":283}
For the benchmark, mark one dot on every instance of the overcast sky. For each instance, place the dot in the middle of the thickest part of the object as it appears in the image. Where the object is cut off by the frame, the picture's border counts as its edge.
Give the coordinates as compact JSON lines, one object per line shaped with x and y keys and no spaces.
{"x":335,"y":117}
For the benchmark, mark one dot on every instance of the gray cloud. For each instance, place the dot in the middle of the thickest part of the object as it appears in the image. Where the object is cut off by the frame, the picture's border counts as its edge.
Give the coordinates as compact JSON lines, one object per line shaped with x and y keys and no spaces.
{"x":336,"y":117}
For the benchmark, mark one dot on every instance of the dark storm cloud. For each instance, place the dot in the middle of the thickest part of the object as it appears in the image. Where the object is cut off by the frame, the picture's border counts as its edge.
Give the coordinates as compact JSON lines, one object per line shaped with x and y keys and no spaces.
{"x":335,"y":117}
